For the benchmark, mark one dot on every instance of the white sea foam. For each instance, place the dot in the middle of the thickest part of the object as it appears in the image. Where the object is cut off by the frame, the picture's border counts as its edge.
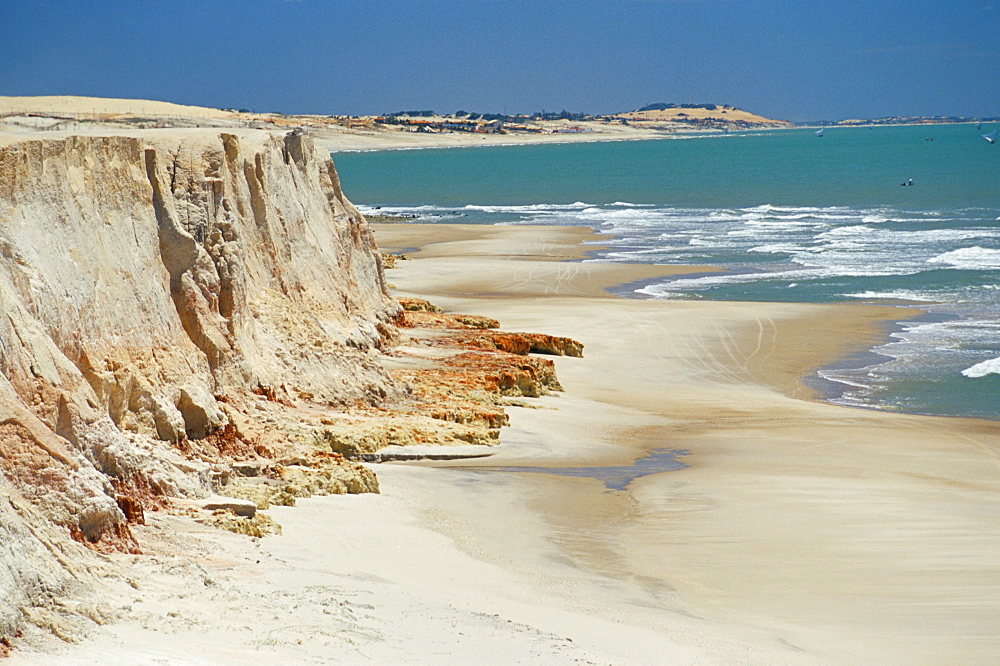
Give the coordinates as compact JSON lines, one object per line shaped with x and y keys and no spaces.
{"x":883,"y":217}
{"x":990,"y":367}
{"x":768,"y":208}
{"x":663,"y":292}
{"x":901,"y":295}
{"x":852,"y":230}
{"x":624,"y":216}
{"x":839,"y":269}
{"x":788,"y":223}
{"x":941,"y":235}
{"x":777,"y":248}
{"x":927,"y":344}
{"x":401,"y":209}
{"x":636,"y":253}
{"x":845,"y":377}
{"x":685,"y":285}
{"x":969,"y":258}
{"x":528,"y":208}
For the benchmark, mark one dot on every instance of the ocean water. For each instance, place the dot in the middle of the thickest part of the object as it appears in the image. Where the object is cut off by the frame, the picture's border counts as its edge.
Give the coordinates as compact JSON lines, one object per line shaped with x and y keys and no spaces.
{"x":788,"y":215}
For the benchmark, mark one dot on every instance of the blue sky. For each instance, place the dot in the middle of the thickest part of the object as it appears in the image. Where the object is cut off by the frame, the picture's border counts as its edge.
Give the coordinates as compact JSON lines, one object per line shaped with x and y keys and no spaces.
{"x":791,"y":59}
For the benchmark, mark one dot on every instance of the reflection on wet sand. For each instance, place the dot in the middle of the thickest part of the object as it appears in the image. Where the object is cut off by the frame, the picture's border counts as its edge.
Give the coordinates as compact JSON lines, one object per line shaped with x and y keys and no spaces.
{"x":614,"y":477}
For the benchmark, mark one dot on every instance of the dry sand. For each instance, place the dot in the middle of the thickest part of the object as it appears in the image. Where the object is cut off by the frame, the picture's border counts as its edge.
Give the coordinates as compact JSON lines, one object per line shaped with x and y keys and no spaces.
{"x":337,"y":139}
{"x":98,"y":106}
{"x":800,"y":532}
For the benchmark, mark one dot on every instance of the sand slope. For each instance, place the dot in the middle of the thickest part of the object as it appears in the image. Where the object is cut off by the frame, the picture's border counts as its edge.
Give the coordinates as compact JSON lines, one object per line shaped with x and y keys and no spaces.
{"x":67,"y":104}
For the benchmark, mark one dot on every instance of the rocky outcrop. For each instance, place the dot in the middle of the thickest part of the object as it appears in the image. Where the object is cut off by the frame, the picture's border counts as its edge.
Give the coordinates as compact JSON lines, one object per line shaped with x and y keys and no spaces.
{"x":460,"y":374}
{"x":156,"y":287}
{"x":434,"y":318}
{"x":473,"y":331}
{"x":411,"y":304}
{"x":519,"y":343}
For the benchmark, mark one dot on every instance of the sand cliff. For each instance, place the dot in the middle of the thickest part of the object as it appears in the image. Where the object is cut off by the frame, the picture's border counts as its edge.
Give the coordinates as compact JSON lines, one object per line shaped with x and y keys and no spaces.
{"x":154,"y":286}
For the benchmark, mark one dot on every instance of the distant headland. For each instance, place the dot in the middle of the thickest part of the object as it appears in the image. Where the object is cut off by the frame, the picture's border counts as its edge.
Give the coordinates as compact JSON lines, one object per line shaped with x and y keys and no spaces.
{"x":660,"y":117}
{"x":406,"y":129}
{"x":903,"y":120}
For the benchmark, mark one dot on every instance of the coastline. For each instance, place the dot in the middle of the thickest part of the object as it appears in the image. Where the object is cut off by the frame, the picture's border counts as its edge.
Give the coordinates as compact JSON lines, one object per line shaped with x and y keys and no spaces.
{"x":74,"y":115}
{"x":848,"y":329}
{"x":799,"y":532}
{"x":68,"y":115}
{"x":824,"y":526}
{"x":336,"y":142}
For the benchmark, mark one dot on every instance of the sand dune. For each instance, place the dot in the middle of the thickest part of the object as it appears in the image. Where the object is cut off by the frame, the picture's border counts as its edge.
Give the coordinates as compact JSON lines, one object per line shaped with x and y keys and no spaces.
{"x":67,"y":104}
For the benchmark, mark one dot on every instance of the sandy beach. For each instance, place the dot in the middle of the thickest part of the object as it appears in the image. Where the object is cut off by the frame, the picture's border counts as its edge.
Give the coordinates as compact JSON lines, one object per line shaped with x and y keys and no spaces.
{"x":798,"y":532}
{"x":852,"y":535}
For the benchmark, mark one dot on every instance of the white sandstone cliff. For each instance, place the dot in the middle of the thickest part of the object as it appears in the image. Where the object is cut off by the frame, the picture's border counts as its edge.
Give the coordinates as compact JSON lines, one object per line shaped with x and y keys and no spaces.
{"x":146,"y":282}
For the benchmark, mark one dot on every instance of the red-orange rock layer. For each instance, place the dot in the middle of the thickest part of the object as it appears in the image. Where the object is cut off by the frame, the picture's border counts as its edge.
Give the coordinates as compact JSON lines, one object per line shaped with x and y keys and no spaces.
{"x":512,"y":343}
{"x":427,"y":319}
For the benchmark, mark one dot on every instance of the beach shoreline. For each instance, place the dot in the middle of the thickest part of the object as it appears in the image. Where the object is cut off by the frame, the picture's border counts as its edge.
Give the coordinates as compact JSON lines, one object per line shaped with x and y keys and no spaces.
{"x":730,"y":391}
{"x":798,"y":532}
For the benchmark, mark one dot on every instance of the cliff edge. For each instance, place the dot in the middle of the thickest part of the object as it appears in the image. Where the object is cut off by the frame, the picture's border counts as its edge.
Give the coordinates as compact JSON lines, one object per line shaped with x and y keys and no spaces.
{"x":156,"y":288}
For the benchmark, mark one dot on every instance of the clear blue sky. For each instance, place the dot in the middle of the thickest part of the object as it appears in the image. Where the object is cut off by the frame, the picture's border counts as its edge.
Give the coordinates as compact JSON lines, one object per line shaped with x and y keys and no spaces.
{"x":792,"y":59}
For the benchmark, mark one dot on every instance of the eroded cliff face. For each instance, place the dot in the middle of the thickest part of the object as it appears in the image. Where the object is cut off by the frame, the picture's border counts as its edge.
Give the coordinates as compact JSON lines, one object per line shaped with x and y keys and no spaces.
{"x":149,"y":284}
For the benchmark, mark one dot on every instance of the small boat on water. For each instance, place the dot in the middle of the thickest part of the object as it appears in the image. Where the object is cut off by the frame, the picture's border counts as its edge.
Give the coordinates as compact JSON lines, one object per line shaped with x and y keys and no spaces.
{"x":819,"y":132}
{"x":991,"y":137}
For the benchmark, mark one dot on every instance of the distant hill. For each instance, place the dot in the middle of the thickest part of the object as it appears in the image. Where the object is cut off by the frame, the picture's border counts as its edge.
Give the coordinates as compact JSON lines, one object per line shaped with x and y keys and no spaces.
{"x":708,"y":115}
{"x":664,"y":107}
{"x":68,"y":104}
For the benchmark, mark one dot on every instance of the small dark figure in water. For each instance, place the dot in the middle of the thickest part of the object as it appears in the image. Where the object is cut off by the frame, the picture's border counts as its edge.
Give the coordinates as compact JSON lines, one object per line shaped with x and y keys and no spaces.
{"x":907,"y":183}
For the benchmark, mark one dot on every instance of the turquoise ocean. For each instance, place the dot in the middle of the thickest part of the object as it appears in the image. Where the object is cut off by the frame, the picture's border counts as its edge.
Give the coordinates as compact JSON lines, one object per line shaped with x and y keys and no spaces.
{"x":789,"y":216}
